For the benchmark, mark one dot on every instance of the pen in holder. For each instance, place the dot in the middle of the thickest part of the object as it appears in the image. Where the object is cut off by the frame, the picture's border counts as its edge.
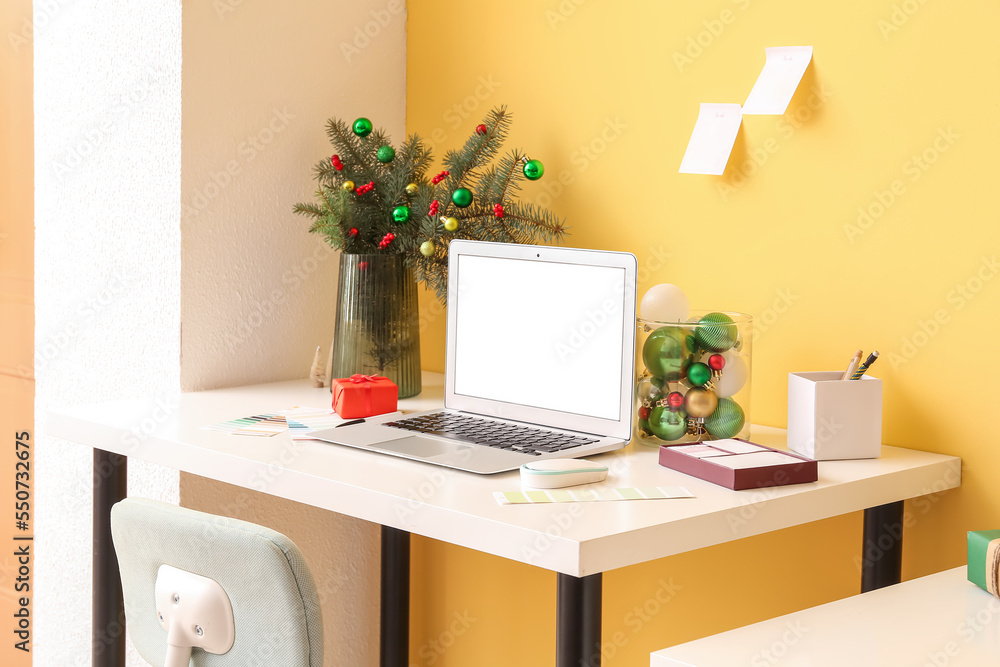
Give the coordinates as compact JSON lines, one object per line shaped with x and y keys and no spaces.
{"x":831,"y":419}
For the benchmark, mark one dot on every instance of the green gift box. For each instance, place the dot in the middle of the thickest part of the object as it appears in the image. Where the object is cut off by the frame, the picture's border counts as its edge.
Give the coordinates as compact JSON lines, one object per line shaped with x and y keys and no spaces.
{"x":984,"y":560}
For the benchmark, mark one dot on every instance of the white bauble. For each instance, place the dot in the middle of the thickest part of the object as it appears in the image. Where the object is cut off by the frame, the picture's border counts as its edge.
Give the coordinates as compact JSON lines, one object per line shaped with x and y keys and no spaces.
{"x":665,"y":303}
{"x":734,"y":375}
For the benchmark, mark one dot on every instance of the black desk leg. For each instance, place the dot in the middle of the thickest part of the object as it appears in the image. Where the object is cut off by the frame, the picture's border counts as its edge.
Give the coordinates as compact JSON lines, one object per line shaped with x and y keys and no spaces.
{"x":395,"y":634}
{"x":578,"y":621}
{"x":882,"y":549}
{"x":108,"y":634}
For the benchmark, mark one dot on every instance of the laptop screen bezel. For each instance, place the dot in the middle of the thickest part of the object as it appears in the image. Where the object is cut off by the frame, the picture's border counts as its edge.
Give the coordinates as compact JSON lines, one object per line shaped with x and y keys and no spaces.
{"x":615,"y":428}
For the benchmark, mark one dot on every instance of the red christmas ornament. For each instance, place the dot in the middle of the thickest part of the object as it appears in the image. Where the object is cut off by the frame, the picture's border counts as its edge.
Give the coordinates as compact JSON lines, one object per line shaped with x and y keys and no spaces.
{"x":480,"y":129}
{"x":644,"y":412}
{"x":675,"y":400}
{"x":498,"y":210}
{"x":337,"y":164}
{"x":353,"y":232}
{"x":716,"y":362}
{"x":367,"y":187}
{"x":434,"y":208}
{"x":440,"y":177}
{"x":386,"y":240}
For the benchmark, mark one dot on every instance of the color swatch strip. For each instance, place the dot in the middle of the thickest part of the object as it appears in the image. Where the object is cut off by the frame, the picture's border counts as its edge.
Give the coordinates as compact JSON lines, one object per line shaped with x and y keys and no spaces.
{"x":536,"y":496}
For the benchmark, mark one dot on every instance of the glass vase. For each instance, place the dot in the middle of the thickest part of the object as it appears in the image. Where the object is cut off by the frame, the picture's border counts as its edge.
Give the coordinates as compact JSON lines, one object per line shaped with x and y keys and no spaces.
{"x":377,"y":330}
{"x":693,"y":378}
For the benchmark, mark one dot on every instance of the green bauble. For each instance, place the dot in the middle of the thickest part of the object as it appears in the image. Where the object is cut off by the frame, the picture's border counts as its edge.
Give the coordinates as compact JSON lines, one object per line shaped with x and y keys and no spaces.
{"x":401,"y":214}
{"x":362,"y":127}
{"x":716,"y":332}
{"x":727,"y":420}
{"x":533,"y":170}
{"x":462,"y":197}
{"x":667,"y":425}
{"x":699,"y":374}
{"x":385,"y":154}
{"x":647,"y":392}
{"x":667,"y":353}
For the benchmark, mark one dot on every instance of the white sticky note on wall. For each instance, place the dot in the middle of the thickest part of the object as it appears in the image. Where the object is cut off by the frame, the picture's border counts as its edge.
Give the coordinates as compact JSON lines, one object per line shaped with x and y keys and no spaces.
{"x":712,"y":139}
{"x":783,"y":70}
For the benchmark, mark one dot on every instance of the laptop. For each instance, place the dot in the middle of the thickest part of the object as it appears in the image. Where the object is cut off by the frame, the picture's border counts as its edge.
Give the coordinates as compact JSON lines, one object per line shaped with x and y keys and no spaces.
{"x":540,"y":362}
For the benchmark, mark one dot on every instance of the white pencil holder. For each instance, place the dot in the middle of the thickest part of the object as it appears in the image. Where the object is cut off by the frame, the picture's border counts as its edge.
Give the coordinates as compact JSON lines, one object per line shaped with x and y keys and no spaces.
{"x":831,"y":419}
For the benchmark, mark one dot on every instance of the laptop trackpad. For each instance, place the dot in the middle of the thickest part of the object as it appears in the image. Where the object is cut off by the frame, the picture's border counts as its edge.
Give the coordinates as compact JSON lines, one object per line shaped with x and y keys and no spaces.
{"x":424,"y":448}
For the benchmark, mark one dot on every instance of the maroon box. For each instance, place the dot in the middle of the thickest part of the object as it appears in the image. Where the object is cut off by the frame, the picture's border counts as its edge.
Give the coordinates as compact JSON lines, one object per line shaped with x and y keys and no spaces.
{"x":731,"y":463}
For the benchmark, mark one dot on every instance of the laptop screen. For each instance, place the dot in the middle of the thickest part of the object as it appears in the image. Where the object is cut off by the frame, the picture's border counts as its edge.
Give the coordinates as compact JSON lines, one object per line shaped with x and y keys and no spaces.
{"x":542,"y":334}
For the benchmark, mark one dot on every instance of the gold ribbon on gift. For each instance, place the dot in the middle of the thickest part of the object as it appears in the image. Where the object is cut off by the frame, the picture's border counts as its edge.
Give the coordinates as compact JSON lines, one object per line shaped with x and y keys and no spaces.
{"x":993,"y":567}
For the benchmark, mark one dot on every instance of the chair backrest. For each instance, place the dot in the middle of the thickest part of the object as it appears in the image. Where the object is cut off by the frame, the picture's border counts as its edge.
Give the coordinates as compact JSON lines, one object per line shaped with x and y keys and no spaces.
{"x":274,"y":601}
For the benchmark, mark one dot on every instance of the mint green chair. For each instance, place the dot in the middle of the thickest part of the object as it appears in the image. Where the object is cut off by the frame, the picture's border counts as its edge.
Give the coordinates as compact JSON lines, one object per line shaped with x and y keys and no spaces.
{"x":209,"y":591}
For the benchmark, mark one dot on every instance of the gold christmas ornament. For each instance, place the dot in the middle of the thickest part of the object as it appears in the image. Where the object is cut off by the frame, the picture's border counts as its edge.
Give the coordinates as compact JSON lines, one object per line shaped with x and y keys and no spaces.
{"x":411,"y":189}
{"x":348,"y":186}
{"x":700,"y":403}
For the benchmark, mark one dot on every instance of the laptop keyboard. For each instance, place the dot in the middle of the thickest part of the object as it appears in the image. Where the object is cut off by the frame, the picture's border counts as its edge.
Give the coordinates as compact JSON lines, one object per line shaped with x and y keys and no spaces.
{"x":501,"y":435}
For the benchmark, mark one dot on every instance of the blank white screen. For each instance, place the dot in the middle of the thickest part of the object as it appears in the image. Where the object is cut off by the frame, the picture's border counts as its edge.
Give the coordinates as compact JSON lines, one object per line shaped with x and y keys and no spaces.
{"x":542,"y":334}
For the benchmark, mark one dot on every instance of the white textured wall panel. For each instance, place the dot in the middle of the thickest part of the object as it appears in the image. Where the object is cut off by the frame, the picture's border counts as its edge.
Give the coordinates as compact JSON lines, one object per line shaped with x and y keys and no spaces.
{"x":107,"y":266}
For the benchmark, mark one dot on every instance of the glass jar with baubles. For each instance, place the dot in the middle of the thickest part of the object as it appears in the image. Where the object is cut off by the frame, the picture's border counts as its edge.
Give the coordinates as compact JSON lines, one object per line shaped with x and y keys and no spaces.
{"x":692,"y":372}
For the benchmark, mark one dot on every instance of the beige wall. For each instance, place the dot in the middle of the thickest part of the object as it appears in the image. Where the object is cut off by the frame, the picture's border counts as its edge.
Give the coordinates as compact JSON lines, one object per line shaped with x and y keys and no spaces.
{"x":257,"y":291}
{"x":17,"y":382}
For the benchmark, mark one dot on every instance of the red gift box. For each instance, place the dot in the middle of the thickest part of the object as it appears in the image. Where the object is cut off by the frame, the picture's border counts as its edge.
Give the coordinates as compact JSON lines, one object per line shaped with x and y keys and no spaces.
{"x":364,"y":396}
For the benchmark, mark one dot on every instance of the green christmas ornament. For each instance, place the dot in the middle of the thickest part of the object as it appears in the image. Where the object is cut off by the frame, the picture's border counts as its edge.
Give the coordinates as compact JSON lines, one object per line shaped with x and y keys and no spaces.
{"x":533,"y":170}
{"x":401,"y":214}
{"x":699,"y":374}
{"x":667,"y":425}
{"x":716,"y":332}
{"x":727,"y":420}
{"x":427,"y":248}
{"x":462,"y":197}
{"x":385,"y":154}
{"x":362,"y":127}
{"x":667,"y":353}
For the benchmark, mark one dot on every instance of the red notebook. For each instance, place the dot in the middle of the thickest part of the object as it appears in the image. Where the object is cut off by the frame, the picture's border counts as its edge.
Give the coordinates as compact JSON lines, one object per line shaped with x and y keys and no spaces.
{"x":739,"y":464}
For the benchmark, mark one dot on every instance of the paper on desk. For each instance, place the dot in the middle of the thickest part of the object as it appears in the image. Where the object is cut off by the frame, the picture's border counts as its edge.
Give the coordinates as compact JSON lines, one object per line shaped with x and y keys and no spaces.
{"x":758,"y":460}
{"x":536,"y":496}
{"x":783,"y":70}
{"x":712,"y":139}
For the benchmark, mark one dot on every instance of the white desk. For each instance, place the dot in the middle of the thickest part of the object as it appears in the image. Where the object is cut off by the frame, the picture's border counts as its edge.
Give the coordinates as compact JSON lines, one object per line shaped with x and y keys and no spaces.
{"x":937,"y":620}
{"x":579,"y":541}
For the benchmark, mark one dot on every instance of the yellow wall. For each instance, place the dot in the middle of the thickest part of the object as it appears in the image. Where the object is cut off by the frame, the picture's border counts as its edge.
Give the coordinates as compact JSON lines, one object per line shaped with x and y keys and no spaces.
{"x":17,"y":385}
{"x":777,"y":236}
